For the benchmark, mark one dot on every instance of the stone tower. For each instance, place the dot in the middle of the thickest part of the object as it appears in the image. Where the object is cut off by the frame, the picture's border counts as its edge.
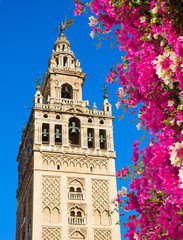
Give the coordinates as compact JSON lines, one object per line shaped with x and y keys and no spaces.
{"x":66,"y":171}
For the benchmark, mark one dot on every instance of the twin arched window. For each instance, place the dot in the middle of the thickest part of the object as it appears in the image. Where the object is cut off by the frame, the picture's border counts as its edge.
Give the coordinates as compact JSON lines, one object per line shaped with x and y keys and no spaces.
{"x":77,"y":216}
{"x":76,"y":190}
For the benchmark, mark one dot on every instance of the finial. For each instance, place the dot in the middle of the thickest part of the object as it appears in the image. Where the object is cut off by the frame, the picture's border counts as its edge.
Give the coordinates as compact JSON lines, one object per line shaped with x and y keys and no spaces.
{"x":94,"y":106}
{"x":64,"y":25}
{"x":105,"y":91}
{"x":38,"y":83}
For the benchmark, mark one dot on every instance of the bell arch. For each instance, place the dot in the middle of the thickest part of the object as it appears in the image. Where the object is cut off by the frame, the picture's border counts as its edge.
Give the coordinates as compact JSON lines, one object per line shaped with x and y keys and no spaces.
{"x":74,"y":131}
{"x":67,"y":91}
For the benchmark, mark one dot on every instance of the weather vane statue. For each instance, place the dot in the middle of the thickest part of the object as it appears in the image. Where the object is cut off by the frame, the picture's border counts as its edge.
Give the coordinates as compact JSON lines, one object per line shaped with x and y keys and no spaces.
{"x":105,"y":91}
{"x":64,"y":25}
{"x":38,"y":83}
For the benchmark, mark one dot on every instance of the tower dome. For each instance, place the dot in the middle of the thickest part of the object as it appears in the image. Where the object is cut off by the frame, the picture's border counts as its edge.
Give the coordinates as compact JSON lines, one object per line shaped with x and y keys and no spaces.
{"x":62,"y":57}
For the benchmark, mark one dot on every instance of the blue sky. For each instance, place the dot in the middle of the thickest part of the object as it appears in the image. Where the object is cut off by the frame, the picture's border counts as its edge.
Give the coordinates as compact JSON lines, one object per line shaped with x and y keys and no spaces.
{"x":26,"y":44}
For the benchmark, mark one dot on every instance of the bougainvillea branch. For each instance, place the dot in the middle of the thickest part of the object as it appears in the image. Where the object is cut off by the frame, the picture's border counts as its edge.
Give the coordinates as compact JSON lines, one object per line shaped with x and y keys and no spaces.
{"x":151,"y":77}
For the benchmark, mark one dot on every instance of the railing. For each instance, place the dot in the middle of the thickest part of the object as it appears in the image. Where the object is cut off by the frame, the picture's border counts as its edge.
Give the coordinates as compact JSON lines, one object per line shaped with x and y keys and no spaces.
{"x":74,"y":195}
{"x":77,"y":220}
{"x":60,"y":108}
{"x":66,"y":101}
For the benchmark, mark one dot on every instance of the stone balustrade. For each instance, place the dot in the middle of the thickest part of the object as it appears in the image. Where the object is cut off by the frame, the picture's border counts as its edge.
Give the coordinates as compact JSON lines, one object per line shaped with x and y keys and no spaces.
{"x":75,"y":195}
{"x":77,"y":220}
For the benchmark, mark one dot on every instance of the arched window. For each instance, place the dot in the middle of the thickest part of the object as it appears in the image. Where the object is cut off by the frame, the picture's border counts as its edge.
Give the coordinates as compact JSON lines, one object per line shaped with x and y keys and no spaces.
{"x":72,"y":214}
{"x":67,"y":91}
{"x":71,"y":189}
{"x":76,"y":190}
{"x":74,"y":131}
{"x":79,"y":214}
{"x":65,"y":61}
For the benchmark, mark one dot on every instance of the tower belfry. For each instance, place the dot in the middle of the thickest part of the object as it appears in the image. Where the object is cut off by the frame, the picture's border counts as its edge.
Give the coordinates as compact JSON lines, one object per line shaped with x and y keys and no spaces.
{"x":66,"y":171}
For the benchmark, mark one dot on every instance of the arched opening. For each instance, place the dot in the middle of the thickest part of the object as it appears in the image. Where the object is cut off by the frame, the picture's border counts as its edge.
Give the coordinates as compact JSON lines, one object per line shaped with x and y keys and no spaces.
{"x":78,"y":190}
{"x":65,"y":59}
{"x":72,"y":214}
{"x":90,"y":137}
{"x":58,"y":134}
{"x":102,"y":138}
{"x":71,"y":189}
{"x":74,"y":131}
{"x":79,"y":214}
{"x":67,"y":91}
{"x":45,"y":133}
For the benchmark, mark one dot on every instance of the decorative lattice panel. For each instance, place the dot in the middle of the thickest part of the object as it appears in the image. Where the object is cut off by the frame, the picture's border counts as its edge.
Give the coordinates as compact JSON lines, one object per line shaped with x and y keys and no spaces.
{"x":51,"y":233}
{"x":102,"y":234}
{"x":100,"y":195}
{"x":51,"y":192}
{"x":75,"y":160}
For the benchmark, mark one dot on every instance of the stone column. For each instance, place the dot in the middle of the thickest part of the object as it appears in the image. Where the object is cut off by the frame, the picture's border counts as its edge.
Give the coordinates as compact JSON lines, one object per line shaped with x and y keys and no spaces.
{"x":52,"y":88}
{"x":65,"y":136}
{"x":38,"y":133}
{"x":96,"y":140}
{"x":84,"y":142}
{"x":52,"y":134}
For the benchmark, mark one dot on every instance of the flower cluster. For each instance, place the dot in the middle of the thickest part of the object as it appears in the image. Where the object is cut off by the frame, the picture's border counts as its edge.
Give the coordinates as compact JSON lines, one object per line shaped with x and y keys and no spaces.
{"x":151,"y":77}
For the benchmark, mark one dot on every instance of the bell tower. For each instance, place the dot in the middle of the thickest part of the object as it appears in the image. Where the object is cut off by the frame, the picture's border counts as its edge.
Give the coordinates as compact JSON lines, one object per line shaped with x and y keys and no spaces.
{"x":66,"y":160}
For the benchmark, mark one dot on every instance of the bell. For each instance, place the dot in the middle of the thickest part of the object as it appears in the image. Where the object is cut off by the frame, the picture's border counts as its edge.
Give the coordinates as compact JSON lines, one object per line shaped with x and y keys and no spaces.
{"x":90,"y":138}
{"x":73,"y":131}
{"x":66,"y":90}
{"x":73,"y":128}
{"x":45,"y":132}
{"x":57,"y":134}
{"x":102,"y":139}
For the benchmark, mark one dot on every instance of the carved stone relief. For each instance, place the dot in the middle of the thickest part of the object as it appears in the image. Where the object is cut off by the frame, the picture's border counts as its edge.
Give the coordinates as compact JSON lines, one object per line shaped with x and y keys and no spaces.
{"x":100,"y":195}
{"x":102,"y":234}
{"x":74,"y":163}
